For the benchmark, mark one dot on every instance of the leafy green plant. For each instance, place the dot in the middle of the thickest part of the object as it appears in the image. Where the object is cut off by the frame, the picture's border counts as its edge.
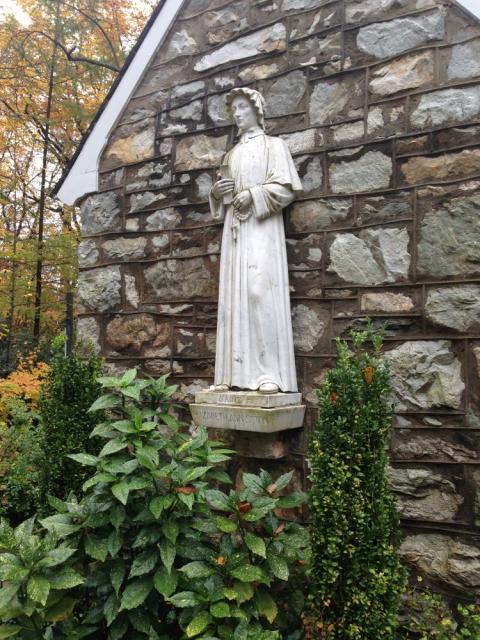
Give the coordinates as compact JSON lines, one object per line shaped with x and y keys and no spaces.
{"x":170,"y":556}
{"x":356,"y":575}
{"x":68,"y":392}
{"x":21,"y":461}
{"x":38,"y":581}
{"x":429,"y":617}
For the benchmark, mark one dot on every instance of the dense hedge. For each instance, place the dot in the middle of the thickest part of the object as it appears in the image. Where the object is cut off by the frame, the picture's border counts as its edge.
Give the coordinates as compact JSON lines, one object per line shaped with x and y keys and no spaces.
{"x":356,"y":573}
{"x":68,"y":392}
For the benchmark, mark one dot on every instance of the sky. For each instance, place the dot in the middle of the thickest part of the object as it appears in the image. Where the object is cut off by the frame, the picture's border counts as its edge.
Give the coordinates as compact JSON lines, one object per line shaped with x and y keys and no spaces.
{"x":472,"y":5}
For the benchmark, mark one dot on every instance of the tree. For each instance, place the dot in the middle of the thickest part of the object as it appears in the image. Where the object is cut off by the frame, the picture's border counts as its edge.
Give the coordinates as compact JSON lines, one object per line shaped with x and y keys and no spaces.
{"x":55,"y":72}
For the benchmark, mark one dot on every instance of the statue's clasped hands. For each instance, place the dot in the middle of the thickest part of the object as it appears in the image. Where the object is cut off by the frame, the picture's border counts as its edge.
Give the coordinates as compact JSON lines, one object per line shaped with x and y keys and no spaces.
{"x":223,"y":187}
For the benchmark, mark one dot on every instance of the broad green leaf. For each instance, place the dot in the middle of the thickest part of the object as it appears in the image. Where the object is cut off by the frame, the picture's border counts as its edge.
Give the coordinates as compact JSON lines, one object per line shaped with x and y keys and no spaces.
{"x":248,"y":573}
{"x":295,"y":499}
{"x":131,"y":392}
{"x":128,"y":377}
{"x":198,"y":624}
{"x":253,"y":482}
{"x":9,"y":630}
{"x":96,"y":547}
{"x":147,"y":456}
{"x":111,"y":608}
{"x":7,"y":592}
{"x":165,"y":582}
{"x":103,"y":430}
{"x":266,"y":605}
{"x":61,"y":524}
{"x":84,"y":458}
{"x":106,"y":401}
{"x":217,"y":500}
{"x":144,"y":563}
{"x":117,"y":515}
{"x":113,"y":446}
{"x":261,"y":507}
{"x":171,"y":530}
{"x":66,"y":579}
{"x":281,"y":482}
{"x":119,"y":628}
{"x":220,"y":610}
{"x":13,"y":572}
{"x":167,"y":553}
{"x":243,"y":591}
{"x":194,"y":474}
{"x":56,"y":557}
{"x":121,"y":490}
{"x":197,"y":569}
{"x":184,"y":599}
{"x":38,"y":589}
{"x":278,"y":566}
{"x":114,"y":542}
{"x":117,"y":573}
{"x":156,"y":506}
{"x":188,"y":500}
{"x":256,"y":544}
{"x":136,"y":593}
{"x":61,"y":610}
{"x":225,"y":524}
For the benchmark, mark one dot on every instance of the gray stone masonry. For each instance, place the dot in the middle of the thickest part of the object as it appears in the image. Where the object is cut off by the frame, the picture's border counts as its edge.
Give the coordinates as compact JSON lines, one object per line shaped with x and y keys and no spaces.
{"x":379,"y":102}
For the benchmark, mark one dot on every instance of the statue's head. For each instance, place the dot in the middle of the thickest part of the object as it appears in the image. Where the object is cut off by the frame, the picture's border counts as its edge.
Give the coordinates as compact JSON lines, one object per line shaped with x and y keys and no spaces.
{"x":247,"y":108}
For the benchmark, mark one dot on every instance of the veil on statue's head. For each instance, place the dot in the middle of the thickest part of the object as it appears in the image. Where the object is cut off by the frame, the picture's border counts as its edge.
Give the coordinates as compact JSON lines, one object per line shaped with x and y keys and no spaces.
{"x":254,"y":97}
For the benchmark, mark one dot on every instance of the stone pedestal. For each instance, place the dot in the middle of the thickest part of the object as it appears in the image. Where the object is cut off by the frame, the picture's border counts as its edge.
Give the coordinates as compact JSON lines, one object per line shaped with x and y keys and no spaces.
{"x":248,"y":411}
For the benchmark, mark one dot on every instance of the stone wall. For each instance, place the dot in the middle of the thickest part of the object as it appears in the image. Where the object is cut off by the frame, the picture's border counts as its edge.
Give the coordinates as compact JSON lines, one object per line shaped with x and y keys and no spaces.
{"x":379,"y":102}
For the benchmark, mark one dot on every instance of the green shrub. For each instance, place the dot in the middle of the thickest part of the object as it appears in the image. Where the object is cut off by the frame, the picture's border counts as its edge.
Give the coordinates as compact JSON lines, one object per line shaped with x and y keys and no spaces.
{"x":356,"y":574}
{"x":429,"y":617}
{"x":170,"y":554}
{"x":39,"y":581}
{"x":68,"y":392}
{"x":21,"y":461}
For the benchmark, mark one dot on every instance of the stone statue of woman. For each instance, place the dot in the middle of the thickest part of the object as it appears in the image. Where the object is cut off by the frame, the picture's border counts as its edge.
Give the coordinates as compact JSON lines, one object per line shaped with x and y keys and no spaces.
{"x":258,"y":180}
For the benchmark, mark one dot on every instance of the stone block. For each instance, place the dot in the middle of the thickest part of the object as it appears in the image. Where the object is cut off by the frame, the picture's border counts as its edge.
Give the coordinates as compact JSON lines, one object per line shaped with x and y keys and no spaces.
{"x":101,"y":212}
{"x":385,"y":208}
{"x":389,"y":38}
{"x":372,"y":171}
{"x":163,"y":219}
{"x":450,"y":239}
{"x":125,"y":248}
{"x":424,"y":495}
{"x":309,"y":325}
{"x":444,"y":560}
{"x":306,"y":252}
{"x":317,"y":49}
{"x":180,"y":280}
{"x":285,"y":94}
{"x":199,"y":152}
{"x":454,"y":307}
{"x":447,"y":105}
{"x":267,"y":40}
{"x":386,"y":302}
{"x":464,"y":61}
{"x":364,"y":10}
{"x":88,"y":332}
{"x":333,"y":100}
{"x":151,"y":175}
{"x":88,"y":253}
{"x":426,"y":374}
{"x":253,"y":419}
{"x":315,"y":215}
{"x":409,"y":72}
{"x":260,"y":446}
{"x":99,"y":289}
{"x":445,"y":167}
{"x":251,"y":399}
{"x":131,"y":143}
{"x":373,"y":257}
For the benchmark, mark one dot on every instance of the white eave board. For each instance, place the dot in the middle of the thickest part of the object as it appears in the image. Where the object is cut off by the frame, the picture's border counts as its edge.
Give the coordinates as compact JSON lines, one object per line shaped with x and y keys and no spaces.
{"x":82,"y":177}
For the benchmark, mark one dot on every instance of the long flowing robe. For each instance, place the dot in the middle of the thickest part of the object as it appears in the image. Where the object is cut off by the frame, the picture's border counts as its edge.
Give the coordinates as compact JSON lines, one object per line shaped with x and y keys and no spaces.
{"x":254,"y":331}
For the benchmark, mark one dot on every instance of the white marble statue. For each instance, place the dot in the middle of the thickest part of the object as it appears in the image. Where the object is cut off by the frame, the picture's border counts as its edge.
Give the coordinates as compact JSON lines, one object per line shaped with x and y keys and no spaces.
{"x":257,"y":180}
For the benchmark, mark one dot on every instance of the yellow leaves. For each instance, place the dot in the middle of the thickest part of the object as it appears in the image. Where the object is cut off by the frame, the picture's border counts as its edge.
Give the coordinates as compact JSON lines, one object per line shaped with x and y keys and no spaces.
{"x":368,"y":373}
{"x":23,"y":383}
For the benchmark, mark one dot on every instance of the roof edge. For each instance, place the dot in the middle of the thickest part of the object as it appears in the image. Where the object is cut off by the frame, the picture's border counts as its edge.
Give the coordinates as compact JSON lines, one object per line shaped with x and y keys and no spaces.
{"x":80,"y":176}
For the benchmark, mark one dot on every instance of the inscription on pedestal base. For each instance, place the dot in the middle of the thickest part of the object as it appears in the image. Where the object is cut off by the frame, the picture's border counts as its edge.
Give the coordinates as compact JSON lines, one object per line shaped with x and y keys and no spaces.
{"x":234,"y":413}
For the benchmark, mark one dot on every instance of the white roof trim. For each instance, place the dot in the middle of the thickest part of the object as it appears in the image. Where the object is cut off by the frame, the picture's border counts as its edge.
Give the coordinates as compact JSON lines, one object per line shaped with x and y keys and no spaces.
{"x":82,"y":177}
{"x":471,"y":5}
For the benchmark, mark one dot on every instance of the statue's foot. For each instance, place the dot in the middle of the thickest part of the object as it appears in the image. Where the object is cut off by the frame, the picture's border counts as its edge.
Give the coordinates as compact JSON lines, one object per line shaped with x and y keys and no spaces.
{"x":268,"y":387}
{"x":221,"y":387}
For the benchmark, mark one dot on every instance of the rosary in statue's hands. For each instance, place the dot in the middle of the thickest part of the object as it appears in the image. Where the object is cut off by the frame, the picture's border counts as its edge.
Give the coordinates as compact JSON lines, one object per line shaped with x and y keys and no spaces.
{"x":242,"y":200}
{"x":222,"y":188}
